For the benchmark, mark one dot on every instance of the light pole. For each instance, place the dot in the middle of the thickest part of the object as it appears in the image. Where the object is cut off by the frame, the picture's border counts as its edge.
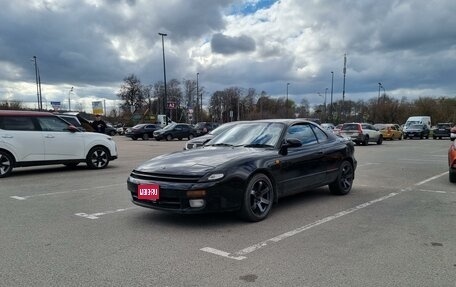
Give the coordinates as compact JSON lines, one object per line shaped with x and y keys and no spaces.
{"x":326,"y":91}
{"x":69,"y":99}
{"x":38,"y":85}
{"x":286,"y":103}
{"x":384,"y":94}
{"x":165,"y":99}
{"x":332,"y":88}
{"x":197,"y":97}
{"x":378,"y":97}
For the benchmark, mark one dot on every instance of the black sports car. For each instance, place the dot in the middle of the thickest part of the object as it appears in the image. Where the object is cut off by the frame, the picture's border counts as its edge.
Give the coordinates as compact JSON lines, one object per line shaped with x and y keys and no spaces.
{"x":246,"y":169}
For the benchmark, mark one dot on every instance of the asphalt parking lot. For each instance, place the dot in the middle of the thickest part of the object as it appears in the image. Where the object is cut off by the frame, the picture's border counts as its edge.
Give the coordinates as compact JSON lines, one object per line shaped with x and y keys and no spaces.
{"x":78,"y":227}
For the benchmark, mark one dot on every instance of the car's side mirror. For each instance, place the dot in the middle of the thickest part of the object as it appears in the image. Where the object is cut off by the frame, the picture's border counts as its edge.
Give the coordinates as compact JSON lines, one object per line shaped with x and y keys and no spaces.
{"x":290,"y":142}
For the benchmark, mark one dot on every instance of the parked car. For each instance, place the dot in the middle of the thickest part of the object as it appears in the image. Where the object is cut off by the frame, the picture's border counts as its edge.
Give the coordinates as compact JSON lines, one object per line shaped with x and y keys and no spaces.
{"x":246,"y":169}
{"x":143,"y":131}
{"x":452,"y":161}
{"x":453,"y":133}
{"x":110,"y":130}
{"x":390,"y":131}
{"x":40,"y":138}
{"x":201,"y":140}
{"x":328,"y":126}
{"x":73,"y":120}
{"x":417,"y":130}
{"x":203,"y":128}
{"x":175,"y":130}
{"x":361,"y":133}
{"x":441,"y":130}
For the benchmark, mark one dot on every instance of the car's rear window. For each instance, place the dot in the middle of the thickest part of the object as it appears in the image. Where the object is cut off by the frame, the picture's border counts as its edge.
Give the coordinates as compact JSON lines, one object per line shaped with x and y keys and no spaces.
{"x":350,"y":127}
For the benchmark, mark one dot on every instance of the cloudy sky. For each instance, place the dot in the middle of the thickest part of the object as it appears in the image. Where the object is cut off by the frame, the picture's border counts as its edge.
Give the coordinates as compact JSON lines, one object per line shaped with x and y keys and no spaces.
{"x":91,"y":45}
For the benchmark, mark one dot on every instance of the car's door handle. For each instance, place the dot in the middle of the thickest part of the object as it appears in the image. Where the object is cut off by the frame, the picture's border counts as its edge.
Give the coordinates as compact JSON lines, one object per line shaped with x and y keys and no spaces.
{"x":49,"y":136}
{"x":7,"y":137}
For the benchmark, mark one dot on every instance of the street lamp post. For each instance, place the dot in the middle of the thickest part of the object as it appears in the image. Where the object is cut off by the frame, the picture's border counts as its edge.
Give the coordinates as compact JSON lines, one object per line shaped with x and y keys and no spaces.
{"x":326,"y":91}
{"x":38,"y":85}
{"x":197,"y":97}
{"x":286,"y":104}
{"x":378,"y":97}
{"x":165,"y":99}
{"x":332,"y":88}
{"x":69,"y":99}
{"x":384,"y":94}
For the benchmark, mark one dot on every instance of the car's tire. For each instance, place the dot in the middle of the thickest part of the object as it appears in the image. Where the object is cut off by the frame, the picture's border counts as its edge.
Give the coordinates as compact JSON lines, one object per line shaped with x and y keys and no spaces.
{"x":145,"y":137}
{"x":357,"y":143}
{"x":380,"y":140}
{"x":434,"y":138}
{"x":169,"y":137}
{"x":179,"y":139}
{"x":134,"y":138}
{"x":452,"y":176}
{"x":366,"y":140}
{"x":6,"y":163}
{"x":344,"y":181}
{"x":190,"y":136}
{"x":405,"y":137}
{"x":258,"y":198}
{"x":112,"y":133}
{"x":97,"y":158}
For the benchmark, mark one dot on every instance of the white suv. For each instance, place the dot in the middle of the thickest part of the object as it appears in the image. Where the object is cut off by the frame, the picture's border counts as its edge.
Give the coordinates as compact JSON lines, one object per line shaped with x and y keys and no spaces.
{"x":39,"y":138}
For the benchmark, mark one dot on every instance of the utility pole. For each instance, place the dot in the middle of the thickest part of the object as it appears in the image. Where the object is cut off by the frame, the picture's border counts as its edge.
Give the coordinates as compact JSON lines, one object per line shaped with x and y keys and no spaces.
{"x":343,"y":88}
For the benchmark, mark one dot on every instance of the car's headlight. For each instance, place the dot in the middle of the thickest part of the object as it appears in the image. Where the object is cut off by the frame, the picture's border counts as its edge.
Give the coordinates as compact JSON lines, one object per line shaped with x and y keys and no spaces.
{"x":215,"y":176}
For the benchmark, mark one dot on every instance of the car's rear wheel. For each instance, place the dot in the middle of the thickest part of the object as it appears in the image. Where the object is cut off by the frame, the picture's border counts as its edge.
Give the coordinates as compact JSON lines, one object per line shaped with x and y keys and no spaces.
{"x":190,"y":136}
{"x":145,"y":137}
{"x":258,"y":198}
{"x":6,"y":163}
{"x":112,"y":133}
{"x":343,"y":184}
{"x":134,"y":138}
{"x":97,"y":158}
{"x":169,"y":138}
{"x":380,"y":140}
{"x":366,"y":140}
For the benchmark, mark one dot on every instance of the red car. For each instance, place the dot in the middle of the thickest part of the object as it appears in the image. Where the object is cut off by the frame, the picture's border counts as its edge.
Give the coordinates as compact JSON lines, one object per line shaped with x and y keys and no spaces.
{"x":452,"y":161}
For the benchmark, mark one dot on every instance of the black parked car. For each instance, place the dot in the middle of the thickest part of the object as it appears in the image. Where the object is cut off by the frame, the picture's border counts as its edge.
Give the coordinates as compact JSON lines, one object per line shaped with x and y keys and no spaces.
{"x":441,"y":130}
{"x":175,"y":130}
{"x":143,"y":131}
{"x":201,"y":140}
{"x":203,"y":128}
{"x":417,"y":130}
{"x":246,"y":169}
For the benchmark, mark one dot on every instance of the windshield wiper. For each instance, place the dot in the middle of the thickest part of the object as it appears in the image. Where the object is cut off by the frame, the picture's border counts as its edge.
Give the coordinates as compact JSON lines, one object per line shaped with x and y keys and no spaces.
{"x":221,"y":144}
{"x":258,"y":145}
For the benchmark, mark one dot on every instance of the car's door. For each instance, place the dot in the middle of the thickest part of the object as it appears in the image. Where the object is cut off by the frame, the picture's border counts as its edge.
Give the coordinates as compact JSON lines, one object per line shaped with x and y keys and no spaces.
{"x":59,"y":142}
{"x":371,"y":131}
{"x":21,"y":135}
{"x":303,"y":166}
{"x":149,"y":129}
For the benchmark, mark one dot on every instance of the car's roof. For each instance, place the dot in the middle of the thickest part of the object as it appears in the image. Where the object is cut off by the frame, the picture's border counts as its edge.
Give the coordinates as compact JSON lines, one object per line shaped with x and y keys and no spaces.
{"x":24,"y":113}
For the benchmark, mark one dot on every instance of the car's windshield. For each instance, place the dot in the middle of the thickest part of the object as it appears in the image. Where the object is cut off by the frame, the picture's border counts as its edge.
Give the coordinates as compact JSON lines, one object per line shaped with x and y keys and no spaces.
{"x":250,"y":134}
{"x":416,"y":126}
{"x":221,"y":129}
{"x":169,"y":127}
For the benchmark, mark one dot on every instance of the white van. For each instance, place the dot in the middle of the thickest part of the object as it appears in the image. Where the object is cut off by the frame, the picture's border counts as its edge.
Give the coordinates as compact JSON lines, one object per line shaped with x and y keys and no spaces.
{"x":163,"y":120}
{"x":418,"y":120}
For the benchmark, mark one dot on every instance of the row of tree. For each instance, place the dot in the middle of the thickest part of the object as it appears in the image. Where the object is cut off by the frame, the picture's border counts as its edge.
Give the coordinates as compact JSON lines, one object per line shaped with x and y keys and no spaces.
{"x":141,"y":103}
{"x":185,"y":105}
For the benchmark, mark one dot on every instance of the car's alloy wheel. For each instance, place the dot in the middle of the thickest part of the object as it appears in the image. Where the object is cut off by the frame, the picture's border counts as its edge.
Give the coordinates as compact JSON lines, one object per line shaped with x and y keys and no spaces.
{"x":258,"y":198}
{"x":98,"y":157}
{"x":6,"y":164}
{"x":190,"y":136}
{"x":343,"y":184}
{"x":145,"y":137}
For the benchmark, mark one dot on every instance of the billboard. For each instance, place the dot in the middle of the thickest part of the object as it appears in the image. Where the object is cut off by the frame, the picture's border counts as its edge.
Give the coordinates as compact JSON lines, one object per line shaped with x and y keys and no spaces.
{"x":97,"y":107}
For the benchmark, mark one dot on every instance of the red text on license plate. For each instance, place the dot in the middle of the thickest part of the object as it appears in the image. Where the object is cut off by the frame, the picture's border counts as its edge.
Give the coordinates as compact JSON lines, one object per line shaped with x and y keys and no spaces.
{"x":148,"y":191}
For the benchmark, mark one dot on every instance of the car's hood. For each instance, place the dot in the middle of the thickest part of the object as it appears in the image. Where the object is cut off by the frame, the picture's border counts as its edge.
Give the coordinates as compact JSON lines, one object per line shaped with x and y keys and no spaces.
{"x":195,"y":161}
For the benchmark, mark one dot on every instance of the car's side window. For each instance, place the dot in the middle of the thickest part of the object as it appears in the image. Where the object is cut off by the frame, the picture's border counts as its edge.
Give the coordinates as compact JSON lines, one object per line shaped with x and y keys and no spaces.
{"x":321,"y":136}
{"x":54,"y":124}
{"x":303,"y":133}
{"x":17,"y":123}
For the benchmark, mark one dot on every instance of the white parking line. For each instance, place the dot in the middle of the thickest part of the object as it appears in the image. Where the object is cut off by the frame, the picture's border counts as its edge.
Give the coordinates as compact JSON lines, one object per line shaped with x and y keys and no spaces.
{"x":66,"y":191}
{"x":435,"y":191}
{"x":240,"y":255}
{"x":98,"y":214}
{"x":431,"y":178}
